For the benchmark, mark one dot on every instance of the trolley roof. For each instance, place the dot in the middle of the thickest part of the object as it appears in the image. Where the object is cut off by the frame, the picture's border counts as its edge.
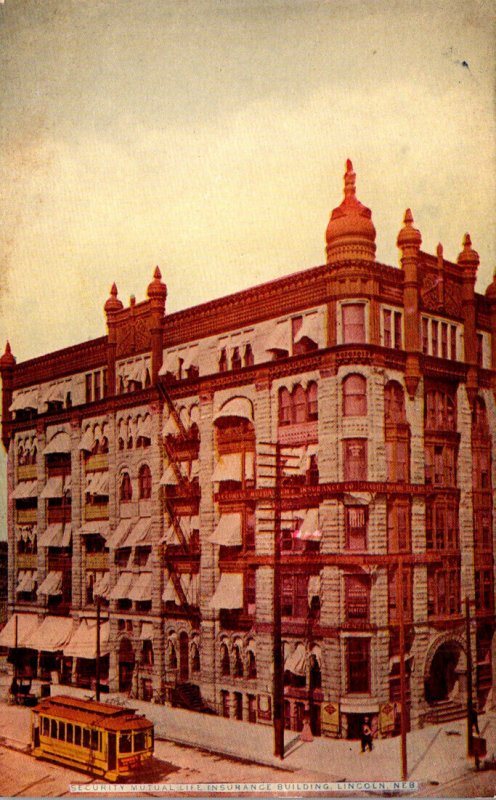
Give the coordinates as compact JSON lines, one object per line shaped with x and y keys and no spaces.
{"x":89,"y":712}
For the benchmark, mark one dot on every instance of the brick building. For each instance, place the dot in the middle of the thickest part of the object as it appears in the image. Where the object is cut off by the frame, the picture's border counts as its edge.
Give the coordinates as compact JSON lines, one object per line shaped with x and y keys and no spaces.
{"x":140,"y":472}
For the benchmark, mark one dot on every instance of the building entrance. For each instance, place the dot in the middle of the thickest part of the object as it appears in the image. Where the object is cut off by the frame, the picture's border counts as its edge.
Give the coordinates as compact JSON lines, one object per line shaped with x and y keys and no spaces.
{"x":446,"y":674}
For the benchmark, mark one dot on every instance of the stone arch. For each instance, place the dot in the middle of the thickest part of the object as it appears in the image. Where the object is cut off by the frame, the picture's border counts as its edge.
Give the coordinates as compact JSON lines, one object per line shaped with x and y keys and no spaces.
{"x":445,"y":669}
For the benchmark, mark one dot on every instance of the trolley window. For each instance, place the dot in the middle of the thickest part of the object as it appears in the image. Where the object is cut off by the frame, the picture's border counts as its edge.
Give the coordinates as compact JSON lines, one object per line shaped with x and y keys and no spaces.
{"x":126,"y":743}
{"x":61,"y":735}
{"x":77,"y":735}
{"x":70,"y":733}
{"x":45,"y":726}
{"x":94,"y":740}
{"x":86,"y":738}
{"x":139,"y":740}
{"x":53,"y":728}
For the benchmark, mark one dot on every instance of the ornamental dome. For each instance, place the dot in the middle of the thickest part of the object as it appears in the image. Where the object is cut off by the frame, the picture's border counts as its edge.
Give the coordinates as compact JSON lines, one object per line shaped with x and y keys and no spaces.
{"x":468,"y":258}
{"x":350,"y":233}
{"x":491,"y":289}
{"x":157,"y":289}
{"x":7,"y":360}
{"x":411,"y":237}
{"x":113,"y":304}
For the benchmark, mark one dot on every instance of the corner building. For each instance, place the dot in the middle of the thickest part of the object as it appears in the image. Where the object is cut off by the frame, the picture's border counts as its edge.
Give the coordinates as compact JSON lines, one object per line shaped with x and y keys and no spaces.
{"x":141,"y":472}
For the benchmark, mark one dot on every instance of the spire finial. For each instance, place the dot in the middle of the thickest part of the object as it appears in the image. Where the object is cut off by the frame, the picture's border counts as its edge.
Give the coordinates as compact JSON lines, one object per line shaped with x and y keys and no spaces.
{"x":349,"y":180}
{"x":113,"y":303}
{"x":157,"y":274}
{"x":408,"y":235}
{"x":7,"y":360}
{"x":113,"y":290}
{"x":468,"y":258}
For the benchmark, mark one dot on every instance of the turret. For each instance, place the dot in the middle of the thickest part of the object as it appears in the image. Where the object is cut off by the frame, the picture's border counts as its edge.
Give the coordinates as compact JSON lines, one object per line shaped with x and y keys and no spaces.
{"x":468,"y":259}
{"x":112,"y":308}
{"x":491,"y":299}
{"x":409,"y":241}
{"x":350,"y":233}
{"x":157,"y":293}
{"x":7,"y":366}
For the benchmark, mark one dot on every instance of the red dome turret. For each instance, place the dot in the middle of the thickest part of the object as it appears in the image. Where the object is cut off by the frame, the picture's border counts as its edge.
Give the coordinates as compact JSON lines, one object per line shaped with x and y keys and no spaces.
{"x":468,"y":258}
{"x":157,"y":289}
{"x":7,"y":360}
{"x":350,"y":233}
{"x":113,"y":303}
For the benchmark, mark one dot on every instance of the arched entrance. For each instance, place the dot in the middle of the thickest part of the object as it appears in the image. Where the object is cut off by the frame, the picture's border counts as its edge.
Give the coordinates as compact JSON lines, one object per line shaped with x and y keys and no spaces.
{"x":446,"y":674}
{"x":126,"y":665}
{"x":183,"y":657}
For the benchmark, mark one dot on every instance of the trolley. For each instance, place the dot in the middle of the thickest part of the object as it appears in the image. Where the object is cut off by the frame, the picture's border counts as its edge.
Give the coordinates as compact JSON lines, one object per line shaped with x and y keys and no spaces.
{"x":99,"y":738}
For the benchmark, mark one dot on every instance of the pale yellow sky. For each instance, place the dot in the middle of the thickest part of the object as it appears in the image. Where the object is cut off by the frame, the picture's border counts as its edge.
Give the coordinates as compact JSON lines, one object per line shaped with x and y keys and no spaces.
{"x":210,"y":137}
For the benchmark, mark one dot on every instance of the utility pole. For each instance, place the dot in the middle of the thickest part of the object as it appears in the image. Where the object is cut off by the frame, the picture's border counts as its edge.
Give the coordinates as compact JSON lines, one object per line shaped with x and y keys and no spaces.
{"x":401,"y":619}
{"x":278,"y":665}
{"x":471,"y":714}
{"x":97,"y":665}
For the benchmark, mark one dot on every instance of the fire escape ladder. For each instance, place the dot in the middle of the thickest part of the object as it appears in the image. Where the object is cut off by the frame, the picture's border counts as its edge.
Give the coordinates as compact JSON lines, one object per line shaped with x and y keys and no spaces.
{"x":173,"y":462}
{"x":177,"y":527}
{"x":172,"y":408}
{"x":176,"y":581}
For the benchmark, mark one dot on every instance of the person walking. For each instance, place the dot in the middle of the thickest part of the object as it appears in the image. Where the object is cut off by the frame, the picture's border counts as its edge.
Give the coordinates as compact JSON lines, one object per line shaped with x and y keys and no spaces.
{"x":366,"y":735}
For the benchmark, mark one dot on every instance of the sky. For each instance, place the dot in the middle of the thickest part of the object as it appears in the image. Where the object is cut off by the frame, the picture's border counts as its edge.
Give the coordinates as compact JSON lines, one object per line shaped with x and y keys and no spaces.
{"x":210,"y":138}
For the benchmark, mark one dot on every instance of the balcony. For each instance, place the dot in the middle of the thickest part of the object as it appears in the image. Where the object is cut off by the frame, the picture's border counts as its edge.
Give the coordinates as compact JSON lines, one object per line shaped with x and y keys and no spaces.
{"x":99,"y":461}
{"x":298,"y":435}
{"x":26,"y":516}
{"x":26,"y":472}
{"x":97,"y":561}
{"x":96,"y":511}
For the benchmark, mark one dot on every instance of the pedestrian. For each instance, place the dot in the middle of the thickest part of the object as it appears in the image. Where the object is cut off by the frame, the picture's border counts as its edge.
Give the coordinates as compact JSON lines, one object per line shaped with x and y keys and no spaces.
{"x":306,"y":733}
{"x":366,"y":735}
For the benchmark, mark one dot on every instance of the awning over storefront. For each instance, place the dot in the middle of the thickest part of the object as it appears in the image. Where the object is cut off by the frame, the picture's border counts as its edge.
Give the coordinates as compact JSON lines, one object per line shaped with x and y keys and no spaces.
{"x":56,"y":486}
{"x":237,"y":407}
{"x":24,"y":400}
{"x":56,"y":535}
{"x":229,"y":591}
{"x":26,"y":626}
{"x":52,"y":585}
{"x":296,"y":662}
{"x":24,"y":490}
{"x":60,"y":443}
{"x":82,"y":643}
{"x":26,"y":580}
{"x":309,"y":527}
{"x":280,"y":338}
{"x":52,"y":635}
{"x":119,"y":534}
{"x":97,"y":483}
{"x":141,"y":588}
{"x":228,"y":531}
{"x":122,"y":587}
{"x":310,"y":329}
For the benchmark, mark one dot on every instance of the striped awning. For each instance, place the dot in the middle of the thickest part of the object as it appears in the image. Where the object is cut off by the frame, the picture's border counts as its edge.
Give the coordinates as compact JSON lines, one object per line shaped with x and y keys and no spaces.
{"x":52,"y":585}
{"x":25,"y":489}
{"x":60,"y":443}
{"x":82,"y":643}
{"x":229,"y":591}
{"x":26,"y":624}
{"x":52,"y":635}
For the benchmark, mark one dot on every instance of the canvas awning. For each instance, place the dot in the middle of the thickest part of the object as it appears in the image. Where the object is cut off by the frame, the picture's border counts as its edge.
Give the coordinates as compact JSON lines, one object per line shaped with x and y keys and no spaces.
{"x":169,"y":594}
{"x":228,"y":531}
{"x":25,"y":489}
{"x":60,"y":443}
{"x":135,"y":371}
{"x":56,"y":535}
{"x":97,"y":483}
{"x":310,"y":329}
{"x":296,"y":662}
{"x":140,"y":533}
{"x":279,"y":338}
{"x":144,"y":427}
{"x":122,"y":587}
{"x":56,"y":393}
{"x":169,"y":477}
{"x":26,"y":580}
{"x":52,"y":585}
{"x":141,"y":588}
{"x":87,"y":440}
{"x":52,"y":635}
{"x":26,"y":626}
{"x":26,"y":399}
{"x":171,"y":428}
{"x":82,"y":643}
{"x":146,"y":630}
{"x":314,"y":584}
{"x":101,"y":587}
{"x":237,"y":407}
{"x":120,"y":533}
{"x":190,"y":357}
{"x":56,"y":486}
{"x":229,"y":591}
{"x":170,"y":364}
{"x":309,"y":527}
{"x":96,"y":526}
{"x":228,"y":468}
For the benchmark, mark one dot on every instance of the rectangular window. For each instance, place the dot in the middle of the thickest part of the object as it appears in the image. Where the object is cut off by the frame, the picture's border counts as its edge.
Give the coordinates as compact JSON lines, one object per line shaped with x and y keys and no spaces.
{"x":88,"y":380}
{"x":356,"y":527}
{"x":61,"y":731}
{"x":70,"y":733}
{"x":53,"y":728}
{"x":434,"y":337}
{"x":444,"y":340}
{"x":294,"y":596}
{"x":355,"y":459}
{"x":453,"y":342}
{"x":394,"y":594}
{"x":357,"y":598}
{"x":398,"y":526}
{"x":353,"y":323}
{"x":94,"y":740}
{"x":97,"y":386}
{"x":480,"y":350}
{"x":398,"y":338}
{"x":388,"y":341}
{"x":86,"y":738}
{"x":358,"y":653}
{"x":425,"y":335}
{"x":45,"y":726}
{"x":105,"y":383}
{"x":77,"y":735}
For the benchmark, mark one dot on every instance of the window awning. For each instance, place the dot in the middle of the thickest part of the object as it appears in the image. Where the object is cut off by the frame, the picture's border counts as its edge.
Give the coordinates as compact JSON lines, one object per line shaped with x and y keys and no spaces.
{"x":140,"y":534}
{"x":135,"y":371}
{"x":190,"y":357}
{"x":171,"y":428}
{"x":310,"y":329}
{"x":169,"y":477}
{"x":52,"y":635}
{"x":237,"y":407}
{"x":122,"y":587}
{"x":56,"y":393}
{"x":228,"y":468}
{"x":194,"y":414}
{"x":314,"y":584}
{"x":279,"y":338}
{"x":24,"y":490}
{"x":82,"y":643}
{"x":52,"y":585}
{"x":309,"y":528}
{"x":120,"y":533}
{"x":97,"y":483}
{"x":56,"y":535}
{"x":229,"y":591}
{"x":169,"y":594}
{"x":144,"y":427}
{"x":101,"y":587}
{"x":296,"y":662}
{"x":189,"y":584}
{"x":56,"y":486}
{"x":141,"y":588}
{"x":146,"y":631}
{"x":101,"y":527}
{"x":171,"y":364}
{"x":60,"y":443}
{"x":228,"y":531}
{"x":87,"y":440}
{"x":26,"y":399}
{"x":27,"y":580}
{"x":26,"y":626}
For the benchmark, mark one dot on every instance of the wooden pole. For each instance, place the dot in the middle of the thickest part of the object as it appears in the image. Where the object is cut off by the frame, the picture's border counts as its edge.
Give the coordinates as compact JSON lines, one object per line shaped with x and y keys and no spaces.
{"x":278,"y":688}
{"x":401,"y":618}
{"x":470,"y":705}
{"x":97,"y":666}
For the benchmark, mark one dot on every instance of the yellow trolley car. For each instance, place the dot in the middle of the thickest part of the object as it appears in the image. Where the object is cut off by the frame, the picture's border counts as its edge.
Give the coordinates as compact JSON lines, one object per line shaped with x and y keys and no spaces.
{"x":99,"y":738}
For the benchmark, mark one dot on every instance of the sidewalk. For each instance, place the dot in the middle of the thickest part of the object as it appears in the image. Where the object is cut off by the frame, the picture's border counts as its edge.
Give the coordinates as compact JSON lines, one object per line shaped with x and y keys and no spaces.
{"x":436,"y":754}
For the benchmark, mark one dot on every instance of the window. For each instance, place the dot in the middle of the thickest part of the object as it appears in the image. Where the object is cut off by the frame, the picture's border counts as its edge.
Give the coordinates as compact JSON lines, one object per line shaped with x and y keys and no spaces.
{"x":126,"y":492}
{"x":453,"y":342}
{"x":357,"y":598}
{"x":86,"y":738}
{"x":444,"y":340}
{"x":294,"y":596}
{"x":425,"y":335}
{"x":440,"y":410}
{"x":105,"y":382}
{"x":88,"y":381}
{"x":394,"y":403}
{"x":313,"y":403}
{"x":484,"y":593}
{"x":195,"y":658}
{"x":434,"y":337}
{"x":386,"y":320}
{"x":236,"y":359}
{"x":223,"y":366}
{"x":45,"y":726}
{"x":299,"y":405}
{"x":353,"y":323}
{"x":355,"y":459}
{"x":70,"y":733}
{"x":238,"y":662}
{"x":77,"y":735}
{"x":126,"y":743}
{"x":249,"y":359}
{"x":440,"y":461}
{"x":443,"y":590}
{"x":394,"y":594}
{"x":356,"y":527}
{"x":249,"y":591}
{"x":392,"y":324}
{"x":398,"y":526}
{"x":252,"y":665}
{"x":397,"y":460}
{"x":358,"y":658}
{"x":480,"y":349}
{"x":441,"y":524}
{"x":145,"y":482}
{"x":97,"y":386}
{"x":284,"y":407}
{"x":354,"y":396}
{"x":398,"y":325}
{"x":482,"y":529}
{"x":225,"y":664}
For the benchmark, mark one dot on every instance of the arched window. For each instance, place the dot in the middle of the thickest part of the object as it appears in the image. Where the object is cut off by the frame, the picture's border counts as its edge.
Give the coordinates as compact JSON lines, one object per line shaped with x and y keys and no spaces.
{"x":236,"y":359}
{"x":104,"y":445}
{"x":34,"y":453}
{"x":252,"y":664}
{"x":121,"y":443}
{"x":223,"y":360}
{"x":394,"y":403}
{"x":147,"y":653}
{"x":126,"y":493}
{"x":225,"y":666}
{"x":354,"y":396}
{"x":284,"y":407}
{"x":145,"y":482}
{"x":312,"y":401}
{"x":249,"y":358}
{"x":299,"y":404}
{"x":195,"y":658}
{"x":238,"y":662}
{"x":20,"y":456}
{"x":172,"y":656}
